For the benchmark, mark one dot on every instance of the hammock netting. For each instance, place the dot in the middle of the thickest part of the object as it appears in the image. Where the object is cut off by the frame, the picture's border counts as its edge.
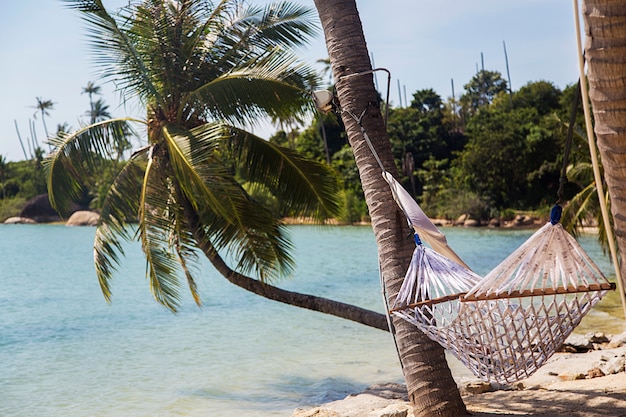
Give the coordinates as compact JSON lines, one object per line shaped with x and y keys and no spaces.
{"x":503,"y":327}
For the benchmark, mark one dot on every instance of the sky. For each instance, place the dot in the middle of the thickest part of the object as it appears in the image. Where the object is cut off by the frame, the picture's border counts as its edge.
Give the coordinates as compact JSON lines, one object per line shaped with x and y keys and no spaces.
{"x":423,"y":43}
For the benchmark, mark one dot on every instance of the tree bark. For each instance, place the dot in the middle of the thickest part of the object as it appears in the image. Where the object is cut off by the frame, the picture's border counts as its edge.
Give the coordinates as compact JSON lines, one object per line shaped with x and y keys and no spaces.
{"x":605,"y":53}
{"x":431,"y":388}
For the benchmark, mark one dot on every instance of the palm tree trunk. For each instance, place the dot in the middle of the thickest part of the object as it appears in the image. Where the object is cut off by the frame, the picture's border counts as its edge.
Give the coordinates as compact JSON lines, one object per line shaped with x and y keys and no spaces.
{"x":431,"y":388}
{"x":605,"y":53}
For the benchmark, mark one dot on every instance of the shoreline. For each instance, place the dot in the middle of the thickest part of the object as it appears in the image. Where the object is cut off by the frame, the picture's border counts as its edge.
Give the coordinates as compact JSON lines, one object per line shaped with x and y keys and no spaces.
{"x":582,"y":384}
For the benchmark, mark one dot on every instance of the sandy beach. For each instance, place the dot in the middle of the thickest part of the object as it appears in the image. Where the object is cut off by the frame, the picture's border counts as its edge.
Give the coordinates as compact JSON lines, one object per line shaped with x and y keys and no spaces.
{"x":587,"y":379}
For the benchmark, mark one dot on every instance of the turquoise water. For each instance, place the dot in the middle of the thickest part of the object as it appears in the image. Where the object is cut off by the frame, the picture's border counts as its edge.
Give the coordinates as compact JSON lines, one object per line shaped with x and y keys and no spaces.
{"x":65,"y":352}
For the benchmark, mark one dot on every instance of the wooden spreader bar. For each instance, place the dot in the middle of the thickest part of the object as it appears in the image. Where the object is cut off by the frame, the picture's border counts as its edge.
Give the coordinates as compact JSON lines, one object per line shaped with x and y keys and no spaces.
{"x":605,"y":286}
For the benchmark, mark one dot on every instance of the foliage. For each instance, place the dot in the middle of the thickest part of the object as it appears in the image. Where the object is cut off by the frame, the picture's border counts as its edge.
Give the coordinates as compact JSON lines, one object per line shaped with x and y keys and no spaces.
{"x":481,"y":90}
{"x":202,"y":182}
{"x":419,"y":133}
{"x":505,"y":148}
{"x":11,"y":207}
{"x":511,"y":157}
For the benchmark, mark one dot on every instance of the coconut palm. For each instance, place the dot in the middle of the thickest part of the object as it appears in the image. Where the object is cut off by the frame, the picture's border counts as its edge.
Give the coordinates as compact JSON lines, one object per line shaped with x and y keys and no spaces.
{"x":604,"y":39}
{"x":431,"y":388}
{"x":90,"y":89}
{"x":203,"y":73}
{"x":99,"y":111}
{"x":44,"y":107}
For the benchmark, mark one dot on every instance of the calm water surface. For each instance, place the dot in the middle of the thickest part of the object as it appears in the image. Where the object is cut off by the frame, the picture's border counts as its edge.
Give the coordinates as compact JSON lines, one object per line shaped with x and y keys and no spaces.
{"x":64,"y":352}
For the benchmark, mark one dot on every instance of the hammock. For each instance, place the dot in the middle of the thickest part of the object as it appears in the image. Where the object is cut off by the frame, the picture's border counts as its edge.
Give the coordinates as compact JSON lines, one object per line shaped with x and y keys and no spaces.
{"x":503,"y":327}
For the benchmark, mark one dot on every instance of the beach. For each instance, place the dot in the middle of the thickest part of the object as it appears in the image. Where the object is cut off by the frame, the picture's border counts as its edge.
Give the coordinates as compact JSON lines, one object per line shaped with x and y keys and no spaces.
{"x":579,"y":382}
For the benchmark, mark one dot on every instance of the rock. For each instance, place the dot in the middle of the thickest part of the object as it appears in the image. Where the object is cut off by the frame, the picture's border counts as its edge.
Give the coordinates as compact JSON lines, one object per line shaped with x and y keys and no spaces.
{"x":83,"y":218}
{"x":392,"y":410}
{"x":617,"y":341}
{"x":577,"y":343}
{"x":471,"y":223}
{"x":461,"y":219}
{"x":19,"y":220}
{"x":594,"y":373}
{"x":598,"y":338}
{"x":572,"y":377}
{"x":386,"y":400}
{"x":494,"y":223}
{"x":39,"y":209}
{"x":315,"y":412}
{"x":614,"y":364}
{"x":476,"y":387}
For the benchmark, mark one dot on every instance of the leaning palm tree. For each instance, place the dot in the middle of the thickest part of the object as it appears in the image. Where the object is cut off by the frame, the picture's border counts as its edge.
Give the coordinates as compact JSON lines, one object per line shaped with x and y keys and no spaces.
{"x":203,"y":73}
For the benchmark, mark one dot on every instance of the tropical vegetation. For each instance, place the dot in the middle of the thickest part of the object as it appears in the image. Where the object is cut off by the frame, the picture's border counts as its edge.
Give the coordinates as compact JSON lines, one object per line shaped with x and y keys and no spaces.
{"x":202,"y":184}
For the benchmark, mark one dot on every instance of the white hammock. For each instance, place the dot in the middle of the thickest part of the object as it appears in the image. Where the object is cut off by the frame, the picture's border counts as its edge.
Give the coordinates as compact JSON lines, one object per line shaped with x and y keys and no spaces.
{"x":504,"y":326}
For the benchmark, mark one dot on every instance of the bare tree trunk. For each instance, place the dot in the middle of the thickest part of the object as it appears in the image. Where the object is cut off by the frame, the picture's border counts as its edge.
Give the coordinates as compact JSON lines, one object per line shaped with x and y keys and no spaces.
{"x":605,"y":53}
{"x":431,"y":388}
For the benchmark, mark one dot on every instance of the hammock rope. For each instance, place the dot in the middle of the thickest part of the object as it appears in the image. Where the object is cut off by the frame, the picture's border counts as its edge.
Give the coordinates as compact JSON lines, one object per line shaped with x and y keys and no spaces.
{"x":503,"y":327}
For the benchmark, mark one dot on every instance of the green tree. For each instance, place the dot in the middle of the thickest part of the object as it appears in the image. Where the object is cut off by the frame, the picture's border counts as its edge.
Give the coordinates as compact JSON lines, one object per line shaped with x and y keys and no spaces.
{"x":90,"y":89}
{"x":99,"y":111}
{"x":417,"y":133}
{"x":43,"y":107}
{"x":512,"y":157}
{"x":431,"y":388}
{"x":481,"y":90}
{"x":203,"y":73}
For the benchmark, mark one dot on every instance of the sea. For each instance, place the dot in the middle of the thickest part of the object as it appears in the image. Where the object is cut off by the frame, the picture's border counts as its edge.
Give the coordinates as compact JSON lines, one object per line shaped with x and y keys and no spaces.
{"x":66,"y":352}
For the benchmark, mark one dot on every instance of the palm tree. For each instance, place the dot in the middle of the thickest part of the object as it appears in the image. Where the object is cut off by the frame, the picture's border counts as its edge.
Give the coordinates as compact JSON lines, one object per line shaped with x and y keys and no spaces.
{"x":44,"y":107}
{"x":99,"y":111}
{"x":90,"y":89}
{"x":203,"y":73}
{"x":431,"y":388}
{"x":606,"y":63}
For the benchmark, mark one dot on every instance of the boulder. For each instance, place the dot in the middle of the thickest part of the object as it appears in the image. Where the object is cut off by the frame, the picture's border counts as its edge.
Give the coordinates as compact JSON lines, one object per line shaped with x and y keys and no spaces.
{"x":461,"y":219}
{"x":19,"y":220}
{"x":39,"y":209}
{"x":385,"y":400}
{"x":471,"y":223}
{"x":83,"y":218}
{"x":494,"y":223}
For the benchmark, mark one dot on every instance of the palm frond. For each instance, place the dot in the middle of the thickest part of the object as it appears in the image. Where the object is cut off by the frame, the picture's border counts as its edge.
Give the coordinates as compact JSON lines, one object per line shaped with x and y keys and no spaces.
{"x":200,"y":174}
{"x":267,"y":88}
{"x":258,"y":244}
{"x":74,"y":154}
{"x":156,"y":220}
{"x":115,"y":47}
{"x":285,"y":24}
{"x":121,"y":202}
{"x":235,"y":222}
{"x":303,"y":186}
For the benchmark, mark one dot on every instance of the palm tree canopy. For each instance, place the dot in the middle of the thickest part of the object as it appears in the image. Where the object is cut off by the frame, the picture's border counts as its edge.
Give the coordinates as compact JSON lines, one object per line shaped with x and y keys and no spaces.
{"x":91,"y":88}
{"x":43,"y":107}
{"x":204,"y":72}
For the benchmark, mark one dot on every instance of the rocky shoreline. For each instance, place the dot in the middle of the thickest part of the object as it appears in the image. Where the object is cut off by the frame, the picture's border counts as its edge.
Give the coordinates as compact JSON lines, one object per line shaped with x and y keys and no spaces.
{"x":586,"y":379}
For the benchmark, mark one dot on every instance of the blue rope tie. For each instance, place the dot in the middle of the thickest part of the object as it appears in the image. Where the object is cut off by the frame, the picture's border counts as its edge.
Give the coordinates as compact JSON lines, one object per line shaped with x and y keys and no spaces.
{"x":555,"y":214}
{"x":418,"y":241}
